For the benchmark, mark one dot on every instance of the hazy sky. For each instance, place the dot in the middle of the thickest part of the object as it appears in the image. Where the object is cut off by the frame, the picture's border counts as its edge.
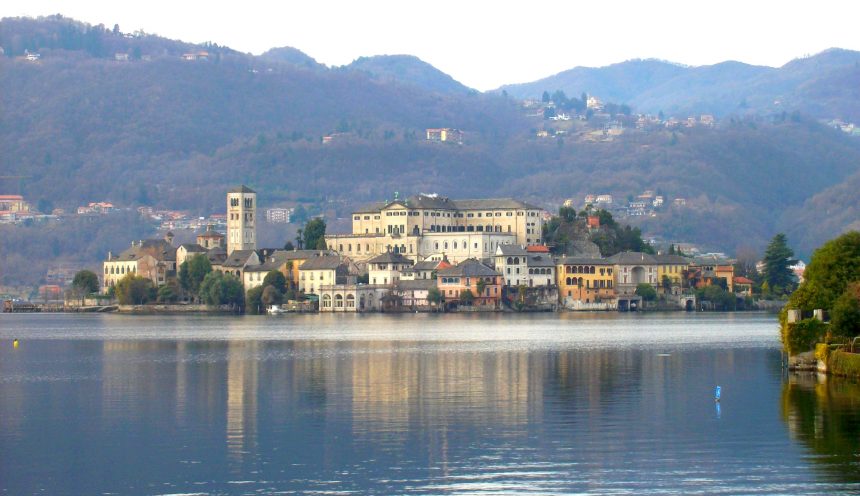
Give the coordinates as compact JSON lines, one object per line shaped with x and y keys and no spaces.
{"x":485,"y":44}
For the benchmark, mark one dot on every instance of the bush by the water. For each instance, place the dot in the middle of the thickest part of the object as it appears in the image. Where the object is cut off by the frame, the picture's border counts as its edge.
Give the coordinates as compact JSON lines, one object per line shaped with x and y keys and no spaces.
{"x":802,"y":336}
{"x":830,"y":283}
{"x":846,"y":364}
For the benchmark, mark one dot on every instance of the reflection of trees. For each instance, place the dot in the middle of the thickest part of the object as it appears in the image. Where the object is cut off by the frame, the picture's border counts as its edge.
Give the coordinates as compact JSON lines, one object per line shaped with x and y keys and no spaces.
{"x":825,"y":416}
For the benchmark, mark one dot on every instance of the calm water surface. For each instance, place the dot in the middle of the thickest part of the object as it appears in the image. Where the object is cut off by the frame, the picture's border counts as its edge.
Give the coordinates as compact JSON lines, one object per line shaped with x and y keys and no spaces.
{"x":420,"y":404}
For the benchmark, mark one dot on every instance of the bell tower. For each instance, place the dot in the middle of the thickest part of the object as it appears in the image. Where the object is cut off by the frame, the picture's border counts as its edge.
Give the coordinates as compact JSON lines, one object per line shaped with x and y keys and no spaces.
{"x":241,"y":219}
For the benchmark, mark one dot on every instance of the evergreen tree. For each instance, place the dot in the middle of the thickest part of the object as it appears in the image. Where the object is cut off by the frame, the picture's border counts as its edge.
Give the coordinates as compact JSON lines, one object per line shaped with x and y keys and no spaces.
{"x":85,"y":282}
{"x":313,"y":232}
{"x":777,"y":261}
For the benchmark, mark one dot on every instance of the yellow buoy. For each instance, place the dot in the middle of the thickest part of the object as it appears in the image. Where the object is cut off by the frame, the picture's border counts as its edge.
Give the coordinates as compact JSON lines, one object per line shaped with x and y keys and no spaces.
{"x":15,"y":343}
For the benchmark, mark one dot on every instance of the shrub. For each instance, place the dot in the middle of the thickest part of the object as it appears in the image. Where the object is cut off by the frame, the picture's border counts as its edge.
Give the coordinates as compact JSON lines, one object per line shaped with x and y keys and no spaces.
{"x":801,"y":336}
{"x":846,"y":364}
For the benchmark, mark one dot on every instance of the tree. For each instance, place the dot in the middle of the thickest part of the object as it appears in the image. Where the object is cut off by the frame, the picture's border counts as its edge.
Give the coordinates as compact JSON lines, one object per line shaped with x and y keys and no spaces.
{"x":545,"y":97}
{"x":277,"y":280}
{"x":646,"y":291}
{"x":434,"y":296}
{"x":721,"y":298}
{"x":85,"y":282}
{"x":288,"y":246}
{"x":193,"y":271}
{"x":133,"y":290}
{"x":467,"y":297}
{"x":667,"y":284}
{"x":167,"y":294}
{"x":568,"y":214}
{"x":845,"y":315}
{"x":222,"y":289}
{"x":777,"y":261}
{"x":254,"y":300}
{"x":481,"y":286}
{"x":271,"y":296}
{"x":313,"y":232}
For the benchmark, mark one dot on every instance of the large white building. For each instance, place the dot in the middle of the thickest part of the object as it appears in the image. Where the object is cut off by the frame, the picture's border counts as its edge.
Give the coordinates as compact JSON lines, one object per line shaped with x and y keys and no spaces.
{"x":430,"y":226}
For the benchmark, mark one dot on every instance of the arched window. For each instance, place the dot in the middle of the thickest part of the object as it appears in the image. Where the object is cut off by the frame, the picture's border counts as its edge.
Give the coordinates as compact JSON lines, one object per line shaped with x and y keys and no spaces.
{"x":326,"y":301}
{"x":580,"y":281}
{"x":338,"y":301}
{"x":446,"y":245}
{"x":402,"y":248}
{"x":592,"y":270}
{"x":516,"y":260}
{"x":350,"y":301}
{"x":568,"y":281}
{"x":510,"y":261}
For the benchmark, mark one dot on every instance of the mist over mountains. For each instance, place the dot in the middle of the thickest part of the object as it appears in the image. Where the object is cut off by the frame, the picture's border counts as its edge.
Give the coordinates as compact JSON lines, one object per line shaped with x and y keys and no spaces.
{"x":825,"y":85}
{"x":84,"y":124}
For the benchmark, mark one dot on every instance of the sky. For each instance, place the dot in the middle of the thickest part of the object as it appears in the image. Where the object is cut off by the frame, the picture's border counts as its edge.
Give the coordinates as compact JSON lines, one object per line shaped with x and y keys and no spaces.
{"x":485,"y":44}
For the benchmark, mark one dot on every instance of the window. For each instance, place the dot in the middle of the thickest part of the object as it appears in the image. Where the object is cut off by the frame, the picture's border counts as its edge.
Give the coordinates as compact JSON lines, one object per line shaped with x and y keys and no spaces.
{"x":357,"y":217}
{"x":510,"y":214}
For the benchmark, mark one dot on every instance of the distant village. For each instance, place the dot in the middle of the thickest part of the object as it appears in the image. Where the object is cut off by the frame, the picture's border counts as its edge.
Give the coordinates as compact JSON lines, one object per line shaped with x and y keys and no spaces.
{"x":424,"y":253}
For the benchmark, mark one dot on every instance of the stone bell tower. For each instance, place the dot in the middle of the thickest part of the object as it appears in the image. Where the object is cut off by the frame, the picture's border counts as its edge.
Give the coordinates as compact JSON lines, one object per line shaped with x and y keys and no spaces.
{"x":241,"y":219}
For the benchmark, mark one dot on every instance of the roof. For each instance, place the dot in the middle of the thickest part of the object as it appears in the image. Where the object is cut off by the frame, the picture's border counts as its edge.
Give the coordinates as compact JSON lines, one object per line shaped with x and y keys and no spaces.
{"x":492,"y":203}
{"x":437,"y":202}
{"x":585,"y":261}
{"x":263,"y":267}
{"x":285,"y":255}
{"x":540,"y":261}
{"x":327,"y":262}
{"x":158,"y":248}
{"x":193,"y":248}
{"x":469,"y":268}
{"x":370,"y":208}
{"x":429,"y":265}
{"x":217,"y":255}
{"x":672,"y":260}
{"x":505,"y":250}
{"x":418,"y":284}
{"x":632,"y":258}
{"x":242,"y":189}
{"x":537,"y":249}
{"x":389,"y":257}
{"x":742,"y":280}
{"x":238,"y":258}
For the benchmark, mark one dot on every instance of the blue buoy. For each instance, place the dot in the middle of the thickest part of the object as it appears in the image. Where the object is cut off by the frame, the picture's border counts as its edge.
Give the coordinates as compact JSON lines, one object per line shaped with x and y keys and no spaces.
{"x":717,"y":394}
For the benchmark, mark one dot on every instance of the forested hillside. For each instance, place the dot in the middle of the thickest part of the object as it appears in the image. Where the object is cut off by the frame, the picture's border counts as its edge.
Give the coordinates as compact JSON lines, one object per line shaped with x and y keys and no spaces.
{"x":173,"y":133}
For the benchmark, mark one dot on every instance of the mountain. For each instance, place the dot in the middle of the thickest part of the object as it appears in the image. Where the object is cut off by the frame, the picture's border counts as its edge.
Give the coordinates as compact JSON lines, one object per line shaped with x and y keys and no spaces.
{"x":291,"y":56}
{"x":619,"y":83}
{"x":409,"y":70}
{"x":176,"y":132}
{"x":824,"y":86}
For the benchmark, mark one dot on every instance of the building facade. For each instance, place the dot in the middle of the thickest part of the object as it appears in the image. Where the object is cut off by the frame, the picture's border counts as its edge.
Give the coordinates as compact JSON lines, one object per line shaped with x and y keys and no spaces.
{"x":586,"y":281}
{"x":422,"y":226}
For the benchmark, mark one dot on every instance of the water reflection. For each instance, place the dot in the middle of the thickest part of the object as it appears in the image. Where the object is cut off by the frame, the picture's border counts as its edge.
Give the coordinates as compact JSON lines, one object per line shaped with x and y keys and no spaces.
{"x":824,"y":414}
{"x":543,"y":411}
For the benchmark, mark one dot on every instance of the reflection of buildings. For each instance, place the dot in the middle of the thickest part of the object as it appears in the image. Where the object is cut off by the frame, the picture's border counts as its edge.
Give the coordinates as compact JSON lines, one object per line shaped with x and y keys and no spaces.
{"x":242,"y":389}
{"x":394,"y":387}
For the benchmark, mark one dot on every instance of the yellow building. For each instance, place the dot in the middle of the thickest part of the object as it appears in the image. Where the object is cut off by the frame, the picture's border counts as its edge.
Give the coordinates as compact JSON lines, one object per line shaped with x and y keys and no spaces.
{"x":673,"y":268}
{"x":425,"y":225}
{"x":586,"y":281}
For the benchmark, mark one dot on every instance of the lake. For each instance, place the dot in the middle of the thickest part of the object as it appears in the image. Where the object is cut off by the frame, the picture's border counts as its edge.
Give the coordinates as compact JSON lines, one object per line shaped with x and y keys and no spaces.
{"x":420,"y":404}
